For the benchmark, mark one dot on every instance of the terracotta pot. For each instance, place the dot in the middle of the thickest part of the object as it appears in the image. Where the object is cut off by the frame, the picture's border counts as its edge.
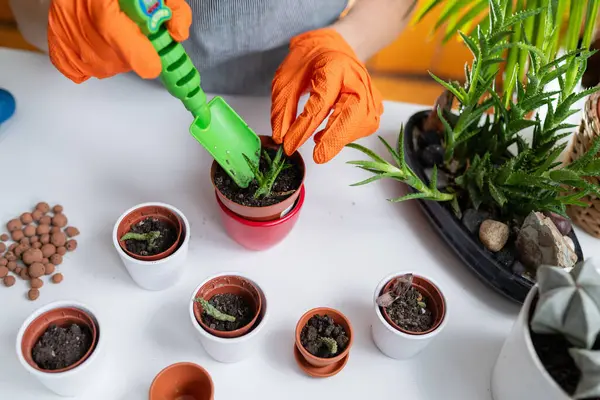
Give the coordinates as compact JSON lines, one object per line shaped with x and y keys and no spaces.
{"x":229,"y":284}
{"x":182,"y":381}
{"x":269,"y":213}
{"x":139,"y":214}
{"x":338,"y":318}
{"x":62,"y":317}
{"x":257,"y":235}
{"x":435,"y":302}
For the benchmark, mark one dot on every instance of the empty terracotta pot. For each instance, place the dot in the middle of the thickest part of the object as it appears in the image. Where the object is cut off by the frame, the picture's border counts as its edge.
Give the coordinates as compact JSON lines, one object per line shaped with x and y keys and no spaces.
{"x":161,"y":213}
{"x":260,"y":235}
{"x":269,"y":213}
{"x":62,"y":317}
{"x":182,"y":381}
{"x":435,"y":302}
{"x":229,"y":284}
{"x":338,"y":318}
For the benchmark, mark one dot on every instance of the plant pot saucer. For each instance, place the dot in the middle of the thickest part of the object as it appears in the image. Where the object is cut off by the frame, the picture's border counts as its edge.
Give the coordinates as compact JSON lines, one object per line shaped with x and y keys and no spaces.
{"x":322,"y":372}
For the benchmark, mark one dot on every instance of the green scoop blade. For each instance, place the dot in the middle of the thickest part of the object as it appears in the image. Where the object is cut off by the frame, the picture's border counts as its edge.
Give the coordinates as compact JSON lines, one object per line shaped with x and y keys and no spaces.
{"x":216,"y":126}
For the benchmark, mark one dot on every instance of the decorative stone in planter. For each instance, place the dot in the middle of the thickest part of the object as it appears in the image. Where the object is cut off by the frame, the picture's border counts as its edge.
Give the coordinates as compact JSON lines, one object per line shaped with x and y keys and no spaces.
{"x":163,"y":269}
{"x":60,"y":344}
{"x":324,"y":337}
{"x":409,"y":313}
{"x":182,"y":381}
{"x":243,"y":341}
{"x":553,"y":349}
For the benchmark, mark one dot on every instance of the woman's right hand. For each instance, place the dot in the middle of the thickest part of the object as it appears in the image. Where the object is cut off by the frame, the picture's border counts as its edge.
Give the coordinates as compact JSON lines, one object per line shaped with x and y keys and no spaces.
{"x":94,"y":38}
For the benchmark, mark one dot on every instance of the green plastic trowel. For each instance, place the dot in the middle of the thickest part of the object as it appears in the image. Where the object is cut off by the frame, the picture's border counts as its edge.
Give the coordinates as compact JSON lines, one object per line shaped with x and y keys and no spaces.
{"x":216,"y":125}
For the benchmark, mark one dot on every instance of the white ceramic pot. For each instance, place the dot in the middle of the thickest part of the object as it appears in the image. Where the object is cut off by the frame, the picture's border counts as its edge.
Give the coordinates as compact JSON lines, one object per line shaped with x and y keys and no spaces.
{"x":161,"y":274}
{"x":72,"y":382}
{"x":392,"y":342}
{"x":519,"y":373}
{"x":236,"y":349}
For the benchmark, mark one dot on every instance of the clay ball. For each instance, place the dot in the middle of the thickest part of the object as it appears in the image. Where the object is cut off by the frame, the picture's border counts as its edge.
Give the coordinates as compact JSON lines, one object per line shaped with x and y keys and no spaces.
{"x":22,"y":248}
{"x":34,"y":239}
{"x":45,"y":238}
{"x":18,"y":270}
{"x":57,"y":209}
{"x":48,"y":250}
{"x":37,"y":215}
{"x":14,"y":225}
{"x":71,"y":231}
{"x":55,"y":229}
{"x":59,"y":220}
{"x":17,"y":235}
{"x":71,"y":245}
{"x":3,"y":261}
{"x":43,"y":207}
{"x":10,"y":256}
{"x":58,"y":239}
{"x":33,"y":294}
{"x":36,"y":270}
{"x":25,"y":241}
{"x":49,"y":268}
{"x":12,"y":246}
{"x":26,"y":218}
{"x":4,"y":237}
{"x":37,"y":245}
{"x":9,"y":281}
{"x":43,"y":229}
{"x":2,"y":247}
{"x":3,"y":272}
{"x":62,"y":250}
{"x":45,"y":260}
{"x":25,"y":274}
{"x":29,"y":230}
{"x":57,"y":278}
{"x":32,"y":256}
{"x":12,"y":265}
{"x":36,"y":283}
{"x":46,"y":220}
{"x":56,"y":259}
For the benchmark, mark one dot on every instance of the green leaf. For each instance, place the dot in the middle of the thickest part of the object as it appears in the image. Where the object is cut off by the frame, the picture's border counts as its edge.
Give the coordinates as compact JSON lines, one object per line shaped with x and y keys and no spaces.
{"x":399,"y":161}
{"x":520,"y":16}
{"x":455,"y":89}
{"x":592,"y":169}
{"x":471,"y":44}
{"x":374,"y":178}
{"x":411,"y":196}
{"x":434,"y":178}
{"x":587,"y":158}
{"x":426,"y":9}
{"x":497,"y":194}
{"x":366,"y":151}
{"x":470,"y":15}
{"x":377,"y":166}
{"x":566,"y":176}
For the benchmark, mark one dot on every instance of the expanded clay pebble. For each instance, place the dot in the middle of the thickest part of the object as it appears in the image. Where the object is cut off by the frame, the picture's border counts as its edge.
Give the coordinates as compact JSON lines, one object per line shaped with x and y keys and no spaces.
{"x":58,"y":239}
{"x":14,"y":225}
{"x":26,"y":218}
{"x":71,"y":231}
{"x":59,"y":220}
{"x":3,"y":272}
{"x":34,"y":239}
{"x":17,"y":235}
{"x":32,"y":256}
{"x":2,"y":247}
{"x":37,"y":245}
{"x":29,"y":231}
{"x":18,"y":270}
{"x":45,"y":238}
{"x":45,"y":261}
{"x":62,"y":250}
{"x":3,"y":261}
{"x":20,"y":249}
{"x":10,"y":256}
{"x":49,"y":268}
{"x":71,"y":245}
{"x":54,"y":229}
{"x":36,"y":283}
{"x":56,"y":259}
{"x":48,"y":250}
{"x":36,"y":270}
{"x":43,"y":207}
{"x":57,"y":209}
{"x":4,"y":237}
{"x":46,"y":220}
{"x":33,"y":294}
{"x":25,"y":241}
{"x":25,"y":274}
{"x":9,"y":280}
{"x":37,"y":215}
{"x":43,"y":229}
{"x":57,"y":278}
{"x":12,"y":265}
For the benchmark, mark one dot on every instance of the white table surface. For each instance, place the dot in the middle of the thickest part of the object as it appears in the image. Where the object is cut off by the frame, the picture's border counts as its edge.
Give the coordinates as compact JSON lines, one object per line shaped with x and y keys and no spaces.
{"x":104,"y":146}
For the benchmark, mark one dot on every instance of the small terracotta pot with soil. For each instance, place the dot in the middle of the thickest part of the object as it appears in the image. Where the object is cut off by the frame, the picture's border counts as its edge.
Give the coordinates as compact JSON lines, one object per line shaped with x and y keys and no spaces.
{"x":282,"y":197}
{"x":324,"y":337}
{"x":227,"y":306}
{"x":410,"y":310}
{"x":150,"y":233}
{"x":182,"y":381}
{"x":58,"y":344}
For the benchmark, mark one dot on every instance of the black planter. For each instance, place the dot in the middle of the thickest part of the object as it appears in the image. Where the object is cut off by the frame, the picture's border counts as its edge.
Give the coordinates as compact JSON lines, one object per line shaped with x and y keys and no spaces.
{"x":466,"y":245}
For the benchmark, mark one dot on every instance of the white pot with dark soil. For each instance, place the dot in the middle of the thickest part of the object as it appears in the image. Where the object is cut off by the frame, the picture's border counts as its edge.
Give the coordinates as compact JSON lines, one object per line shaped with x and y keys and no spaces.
{"x":553,"y":350}
{"x":61,"y":345}
{"x":152,"y":240}
{"x":229,"y":312}
{"x":409,"y":312}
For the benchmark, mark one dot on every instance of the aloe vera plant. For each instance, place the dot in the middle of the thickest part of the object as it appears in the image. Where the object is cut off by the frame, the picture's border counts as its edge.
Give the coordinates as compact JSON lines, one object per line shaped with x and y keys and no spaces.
{"x":266,"y":180}
{"x":149,"y":238}
{"x":211,"y":310}
{"x":569,"y":305}
{"x":331,"y":344}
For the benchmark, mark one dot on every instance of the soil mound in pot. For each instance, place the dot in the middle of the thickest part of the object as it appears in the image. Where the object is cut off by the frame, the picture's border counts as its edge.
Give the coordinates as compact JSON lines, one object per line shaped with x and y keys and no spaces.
{"x":288,"y":181}
{"x":230,"y":304}
{"x":168,"y":236}
{"x":60,"y":347}
{"x":317,"y":334}
{"x":410,"y":312}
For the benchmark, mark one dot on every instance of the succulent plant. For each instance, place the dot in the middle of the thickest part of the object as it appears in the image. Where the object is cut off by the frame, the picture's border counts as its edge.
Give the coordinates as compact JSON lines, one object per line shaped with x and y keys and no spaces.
{"x":400,"y":286}
{"x":266,"y":180}
{"x":214,"y":312}
{"x":569,"y":303}
{"x":330,"y":343}
{"x":149,"y":237}
{"x":588,"y":362}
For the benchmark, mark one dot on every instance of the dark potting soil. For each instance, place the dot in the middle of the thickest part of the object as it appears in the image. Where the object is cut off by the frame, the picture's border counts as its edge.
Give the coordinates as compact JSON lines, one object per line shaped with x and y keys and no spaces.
{"x":61,"y":347}
{"x":408,"y":314}
{"x":168,"y":236}
{"x":230,"y":304}
{"x":323,"y":326}
{"x":553,"y":352}
{"x":286,"y":184}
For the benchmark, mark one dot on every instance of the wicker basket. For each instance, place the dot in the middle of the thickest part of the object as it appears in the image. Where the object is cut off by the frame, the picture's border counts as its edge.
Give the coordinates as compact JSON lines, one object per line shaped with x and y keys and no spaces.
{"x":587,"y":218}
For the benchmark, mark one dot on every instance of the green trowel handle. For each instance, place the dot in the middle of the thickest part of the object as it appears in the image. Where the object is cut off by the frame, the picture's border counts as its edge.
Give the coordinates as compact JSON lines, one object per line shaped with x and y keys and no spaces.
{"x":179,"y":75}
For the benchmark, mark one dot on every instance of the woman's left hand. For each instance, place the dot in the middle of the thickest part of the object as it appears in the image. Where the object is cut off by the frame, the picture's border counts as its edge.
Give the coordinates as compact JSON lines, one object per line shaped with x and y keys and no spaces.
{"x":322,"y":63}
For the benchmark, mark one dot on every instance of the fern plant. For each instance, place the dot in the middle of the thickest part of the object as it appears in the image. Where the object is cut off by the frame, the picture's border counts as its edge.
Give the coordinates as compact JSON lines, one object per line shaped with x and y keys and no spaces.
{"x":266,"y":180}
{"x":485,"y":147}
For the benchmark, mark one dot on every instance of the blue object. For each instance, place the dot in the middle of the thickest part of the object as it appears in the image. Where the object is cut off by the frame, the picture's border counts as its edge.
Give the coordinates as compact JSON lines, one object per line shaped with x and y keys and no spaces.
{"x":7,"y":105}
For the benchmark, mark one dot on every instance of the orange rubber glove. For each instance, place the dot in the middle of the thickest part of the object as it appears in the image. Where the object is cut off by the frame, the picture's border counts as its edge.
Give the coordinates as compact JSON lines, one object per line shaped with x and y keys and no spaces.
{"x":94,"y":38}
{"x":321,"y":61}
